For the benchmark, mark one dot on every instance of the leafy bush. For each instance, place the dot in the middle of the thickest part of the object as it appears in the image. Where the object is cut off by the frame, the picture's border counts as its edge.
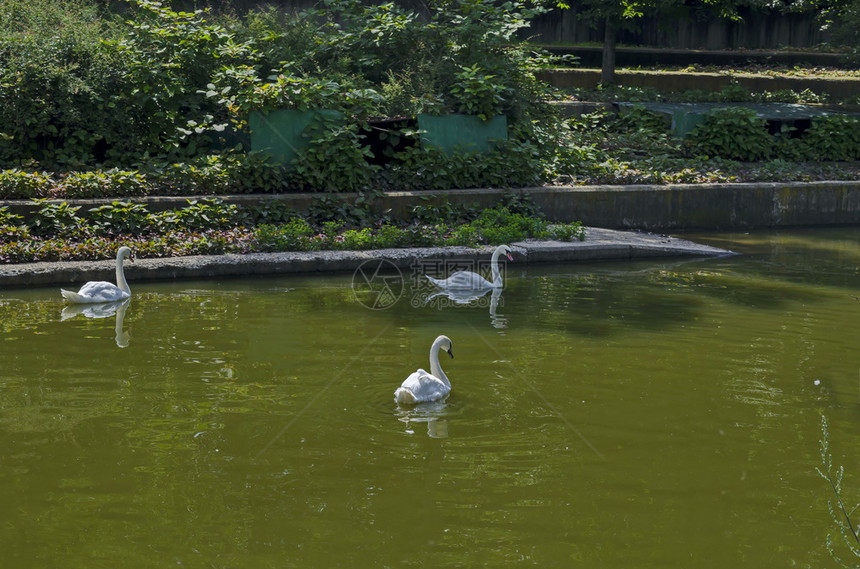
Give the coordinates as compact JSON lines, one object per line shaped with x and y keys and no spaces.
{"x":639,"y":119}
{"x":565,"y":231}
{"x":102,"y":97}
{"x":56,"y":232}
{"x":292,"y":236}
{"x":499,"y":225}
{"x":204,"y":214}
{"x":335,"y":160}
{"x":8,"y":218}
{"x":19,"y":184}
{"x":56,"y":219}
{"x":120,"y":218}
{"x":735,"y":132}
{"x":59,"y":82}
{"x":833,"y":137}
{"x":98,"y":184}
{"x":476,"y":92}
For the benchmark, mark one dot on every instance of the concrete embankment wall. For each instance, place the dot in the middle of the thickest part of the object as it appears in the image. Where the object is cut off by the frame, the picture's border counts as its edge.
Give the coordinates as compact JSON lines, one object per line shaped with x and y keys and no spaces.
{"x":652,"y":208}
{"x":839,"y":88}
{"x":679,"y":207}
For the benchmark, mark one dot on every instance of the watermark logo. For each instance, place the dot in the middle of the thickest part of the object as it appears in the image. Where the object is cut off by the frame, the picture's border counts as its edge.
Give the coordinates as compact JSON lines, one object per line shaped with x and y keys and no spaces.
{"x":378,"y":284}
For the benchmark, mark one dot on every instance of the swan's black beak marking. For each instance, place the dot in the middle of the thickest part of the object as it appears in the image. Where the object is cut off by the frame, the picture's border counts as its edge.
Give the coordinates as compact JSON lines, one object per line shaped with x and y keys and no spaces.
{"x":450,"y":352}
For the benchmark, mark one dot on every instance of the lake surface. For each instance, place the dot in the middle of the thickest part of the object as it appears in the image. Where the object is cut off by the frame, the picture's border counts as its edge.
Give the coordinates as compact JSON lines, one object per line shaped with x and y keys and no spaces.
{"x":653,"y":414}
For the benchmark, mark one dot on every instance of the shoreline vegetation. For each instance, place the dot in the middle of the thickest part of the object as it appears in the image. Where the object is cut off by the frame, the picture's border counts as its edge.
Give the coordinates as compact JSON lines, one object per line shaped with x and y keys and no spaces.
{"x":211,"y":227}
{"x":149,"y":101}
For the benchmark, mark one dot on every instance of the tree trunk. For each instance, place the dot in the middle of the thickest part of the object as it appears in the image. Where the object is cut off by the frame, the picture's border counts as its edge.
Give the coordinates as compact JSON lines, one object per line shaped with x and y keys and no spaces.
{"x":607,"y":69}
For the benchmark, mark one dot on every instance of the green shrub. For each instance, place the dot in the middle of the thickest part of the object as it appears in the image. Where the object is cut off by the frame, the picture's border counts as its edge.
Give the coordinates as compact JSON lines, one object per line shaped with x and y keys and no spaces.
{"x":335,"y":160}
{"x":735,"y":133}
{"x":639,"y":119}
{"x":499,"y":225}
{"x":56,"y":219}
{"x":59,"y":82}
{"x":833,"y":137}
{"x":19,"y":184}
{"x":206,"y":214}
{"x":101,"y":97}
{"x":8,"y":218}
{"x":389,"y":236}
{"x":120,"y":218}
{"x":107,"y":183}
{"x":292,"y":236}
{"x":565,"y":231}
{"x":476,"y":92}
{"x":464,"y":235}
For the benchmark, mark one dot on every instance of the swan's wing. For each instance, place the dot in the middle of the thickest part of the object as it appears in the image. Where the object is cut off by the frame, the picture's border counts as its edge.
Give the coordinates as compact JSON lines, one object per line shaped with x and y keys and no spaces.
{"x":95,"y":291}
{"x":463,"y":280}
{"x":421,"y":386}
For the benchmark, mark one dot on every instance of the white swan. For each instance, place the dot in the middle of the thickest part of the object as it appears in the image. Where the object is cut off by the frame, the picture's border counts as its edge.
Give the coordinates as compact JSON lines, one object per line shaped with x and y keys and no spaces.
{"x":101,"y":291}
{"x":468,"y":280}
{"x":421,"y":386}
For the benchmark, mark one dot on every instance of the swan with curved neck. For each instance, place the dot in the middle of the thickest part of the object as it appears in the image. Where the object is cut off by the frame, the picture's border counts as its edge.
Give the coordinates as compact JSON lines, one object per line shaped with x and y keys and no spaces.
{"x":102,"y":291}
{"x":421,"y":386}
{"x":468,"y":280}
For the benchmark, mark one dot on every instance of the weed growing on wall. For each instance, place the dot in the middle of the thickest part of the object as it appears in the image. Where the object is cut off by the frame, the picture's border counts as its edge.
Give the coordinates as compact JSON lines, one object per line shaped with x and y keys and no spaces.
{"x":846,"y":550}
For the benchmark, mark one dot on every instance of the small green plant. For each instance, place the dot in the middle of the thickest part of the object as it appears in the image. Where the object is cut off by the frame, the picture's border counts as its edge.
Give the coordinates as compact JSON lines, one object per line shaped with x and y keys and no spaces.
{"x":833,"y":137}
{"x":476,"y":93}
{"x":565,"y":231}
{"x":639,"y":119}
{"x":840,"y":512}
{"x":735,"y":132}
{"x":499,"y":225}
{"x":17,"y":183}
{"x":444,"y":212}
{"x":335,"y":160}
{"x":359,"y":213}
{"x":9,"y":218}
{"x":97,"y":184}
{"x":55,"y":219}
{"x":11,"y":228}
{"x":205,"y":214}
{"x":295,"y":235}
{"x":120,"y":218}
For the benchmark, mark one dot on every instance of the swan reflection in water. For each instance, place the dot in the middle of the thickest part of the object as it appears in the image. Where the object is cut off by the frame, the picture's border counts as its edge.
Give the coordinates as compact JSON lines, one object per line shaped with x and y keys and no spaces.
{"x":102,"y":310}
{"x":472,"y":298}
{"x":433,"y":414}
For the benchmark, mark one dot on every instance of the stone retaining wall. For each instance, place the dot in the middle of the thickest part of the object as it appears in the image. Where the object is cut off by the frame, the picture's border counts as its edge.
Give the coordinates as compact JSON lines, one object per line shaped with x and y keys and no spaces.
{"x":646,"y":207}
{"x":665,"y":81}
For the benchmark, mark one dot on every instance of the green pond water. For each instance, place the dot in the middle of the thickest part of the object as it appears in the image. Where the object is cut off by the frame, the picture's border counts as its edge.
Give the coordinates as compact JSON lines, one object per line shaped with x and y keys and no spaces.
{"x":649,"y":414}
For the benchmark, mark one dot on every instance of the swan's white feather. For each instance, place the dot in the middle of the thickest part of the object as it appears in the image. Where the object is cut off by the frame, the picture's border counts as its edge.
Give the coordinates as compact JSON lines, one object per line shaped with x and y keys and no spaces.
{"x":95,"y":291}
{"x":421,"y":386}
{"x":462,"y":280}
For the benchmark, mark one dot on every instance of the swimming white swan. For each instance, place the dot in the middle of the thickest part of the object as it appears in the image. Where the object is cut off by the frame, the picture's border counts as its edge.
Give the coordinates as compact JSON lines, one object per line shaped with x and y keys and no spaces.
{"x":468,"y":280}
{"x":101,"y":291}
{"x":421,"y":386}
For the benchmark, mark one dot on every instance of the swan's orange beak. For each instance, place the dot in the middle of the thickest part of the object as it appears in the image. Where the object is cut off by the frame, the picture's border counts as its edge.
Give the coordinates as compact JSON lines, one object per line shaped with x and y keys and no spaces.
{"x":510,"y":258}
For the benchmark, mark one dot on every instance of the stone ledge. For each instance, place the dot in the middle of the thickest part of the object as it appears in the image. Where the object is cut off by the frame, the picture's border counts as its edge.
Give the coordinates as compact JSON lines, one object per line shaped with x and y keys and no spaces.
{"x":599,"y":244}
{"x":671,"y":207}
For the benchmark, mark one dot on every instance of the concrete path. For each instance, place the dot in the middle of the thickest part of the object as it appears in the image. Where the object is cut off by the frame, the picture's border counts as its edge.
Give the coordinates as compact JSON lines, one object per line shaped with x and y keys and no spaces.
{"x":599,"y":244}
